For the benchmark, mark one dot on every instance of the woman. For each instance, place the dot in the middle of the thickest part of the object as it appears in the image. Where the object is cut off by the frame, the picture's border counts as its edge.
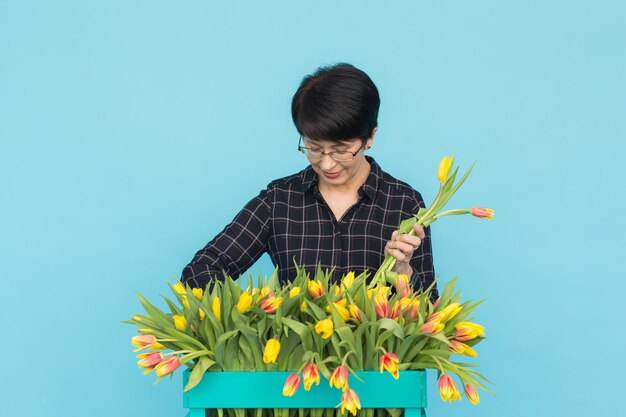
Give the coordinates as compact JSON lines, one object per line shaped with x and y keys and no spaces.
{"x":341,"y":211}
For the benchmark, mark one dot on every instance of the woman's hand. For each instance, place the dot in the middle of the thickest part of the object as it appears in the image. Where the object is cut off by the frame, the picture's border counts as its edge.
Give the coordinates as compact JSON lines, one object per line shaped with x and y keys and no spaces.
{"x":402,"y":247}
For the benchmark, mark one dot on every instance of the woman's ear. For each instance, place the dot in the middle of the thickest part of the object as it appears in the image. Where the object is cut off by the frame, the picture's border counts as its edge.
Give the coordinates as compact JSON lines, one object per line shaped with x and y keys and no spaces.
{"x":370,"y":140}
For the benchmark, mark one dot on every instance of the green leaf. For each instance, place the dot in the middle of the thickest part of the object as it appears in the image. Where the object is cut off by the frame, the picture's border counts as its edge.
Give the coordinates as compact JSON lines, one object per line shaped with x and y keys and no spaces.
{"x":389,"y":324}
{"x":198,"y":372}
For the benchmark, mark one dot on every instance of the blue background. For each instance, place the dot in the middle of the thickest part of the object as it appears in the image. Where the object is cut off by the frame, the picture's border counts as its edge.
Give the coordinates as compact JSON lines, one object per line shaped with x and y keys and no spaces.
{"x":132,"y":132}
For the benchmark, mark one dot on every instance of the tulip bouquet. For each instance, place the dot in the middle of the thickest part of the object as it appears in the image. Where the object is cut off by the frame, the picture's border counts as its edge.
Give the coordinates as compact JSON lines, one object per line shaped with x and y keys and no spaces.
{"x":314,"y":327}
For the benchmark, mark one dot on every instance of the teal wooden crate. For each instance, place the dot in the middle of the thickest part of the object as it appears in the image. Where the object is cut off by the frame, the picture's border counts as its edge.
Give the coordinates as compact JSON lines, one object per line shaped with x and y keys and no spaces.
{"x":264,"y":390}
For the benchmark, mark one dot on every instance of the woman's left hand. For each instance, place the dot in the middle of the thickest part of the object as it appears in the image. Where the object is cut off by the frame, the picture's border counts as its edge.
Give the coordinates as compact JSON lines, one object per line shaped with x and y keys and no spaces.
{"x":402,"y":247}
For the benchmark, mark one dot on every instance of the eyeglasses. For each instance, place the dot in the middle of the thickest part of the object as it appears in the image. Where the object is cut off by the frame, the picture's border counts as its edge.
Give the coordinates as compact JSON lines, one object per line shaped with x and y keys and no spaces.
{"x":340,"y":156}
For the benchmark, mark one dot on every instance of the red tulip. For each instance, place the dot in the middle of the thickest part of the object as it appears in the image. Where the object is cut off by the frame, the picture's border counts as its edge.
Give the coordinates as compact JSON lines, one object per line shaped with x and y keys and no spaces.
{"x":291,"y":385}
{"x":389,"y":361}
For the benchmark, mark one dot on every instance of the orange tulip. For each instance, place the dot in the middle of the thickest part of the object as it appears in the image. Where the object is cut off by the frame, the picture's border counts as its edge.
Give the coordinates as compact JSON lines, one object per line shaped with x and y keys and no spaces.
{"x":143,"y":341}
{"x":167,"y":366}
{"x":471,"y":394}
{"x":311,"y":374}
{"x":339,"y":377}
{"x":271,"y":303}
{"x":350,"y":401}
{"x":315,"y":289}
{"x":389,"y":361}
{"x":149,"y":360}
{"x":356,"y":313}
{"x":381,"y":305}
{"x":403,"y":285}
{"x":447,"y":389}
{"x":483,"y":213}
{"x":291,"y":385}
{"x":432,"y":327}
{"x":461,"y":349}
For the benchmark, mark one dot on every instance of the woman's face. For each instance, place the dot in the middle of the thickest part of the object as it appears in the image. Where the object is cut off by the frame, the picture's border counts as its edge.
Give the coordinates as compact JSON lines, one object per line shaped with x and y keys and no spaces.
{"x":332,"y":173}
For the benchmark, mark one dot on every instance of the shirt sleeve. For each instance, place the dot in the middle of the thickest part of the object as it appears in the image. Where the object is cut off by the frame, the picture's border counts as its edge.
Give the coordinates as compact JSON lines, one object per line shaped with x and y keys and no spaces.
{"x":235,"y":248}
{"x":422,"y":261}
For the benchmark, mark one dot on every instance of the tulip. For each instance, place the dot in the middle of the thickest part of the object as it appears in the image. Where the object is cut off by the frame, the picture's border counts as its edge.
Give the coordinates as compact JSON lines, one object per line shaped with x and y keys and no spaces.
{"x":356,"y":313}
{"x":466,"y":330}
{"x":483,"y":213}
{"x":315,"y":289}
{"x":339,"y":377}
{"x":264,"y":292}
{"x":403,"y":285}
{"x":167,"y":366}
{"x":415,"y":308}
{"x":341,"y":309}
{"x":291,"y":385}
{"x":389,"y":361}
{"x":271,"y":351}
{"x":311,"y":374}
{"x":198,"y":293}
{"x":432,"y":327}
{"x":137,"y":317}
{"x":303,"y":306}
{"x":347,"y":281}
{"x":350,"y":401}
{"x":215,"y":306}
{"x":149,"y":360}
{"x":180,"y":322}
{"x":143,"y":341}
{"x":436,"y":303}
{"x":395,"y":311}
{"x":244,"y":302}
{"x":271,"y":303}
{"x":294,"y":292}
{"x":157,"y":346}
{"x":185,"y":301}
{"x":447,"y":389}
{"x":381,"y":305}
{"x":451,"y":310}
{"x":201,"y":313}
{"x":324,"y":328}
{"x":471,"y":394}
{"x":461,"y":348}
{"x":438,"y":316}
{"x":180,"y":288}
{"x":444,"y":168}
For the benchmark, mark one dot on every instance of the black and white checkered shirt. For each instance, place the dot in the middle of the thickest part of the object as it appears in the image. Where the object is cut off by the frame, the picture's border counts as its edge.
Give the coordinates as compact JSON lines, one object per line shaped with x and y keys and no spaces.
{"x":290,"y":219}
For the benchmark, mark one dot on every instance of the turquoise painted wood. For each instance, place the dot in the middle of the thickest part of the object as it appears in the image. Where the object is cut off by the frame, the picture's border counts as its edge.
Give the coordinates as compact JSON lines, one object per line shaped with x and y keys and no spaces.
{"x":264,"y":390}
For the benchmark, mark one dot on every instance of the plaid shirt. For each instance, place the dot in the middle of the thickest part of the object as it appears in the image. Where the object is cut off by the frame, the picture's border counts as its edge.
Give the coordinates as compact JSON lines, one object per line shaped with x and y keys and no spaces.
{"x":290,"y":220}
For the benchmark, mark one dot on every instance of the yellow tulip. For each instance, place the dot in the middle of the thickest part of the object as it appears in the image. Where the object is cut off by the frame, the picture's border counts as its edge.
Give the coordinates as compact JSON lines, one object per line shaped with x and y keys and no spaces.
{"x":324,"y":328}
{"x":201,"y":313}
{"x":347,"y":281}
{"x":341,"y":309}
{"x":180,"y":288}
{"x":157,"y":346}
{"x":451,"y":310}
{"x":444,"y":168}
{"x":216,"y":308}
{"x":197,"y":292}
{"x":303,"y":306}
{"x":185,"y":301}
{"x":271,"y":351}
{"x":294,"y":292}
{"x":244,"y":303}
{"x":180,"y":322}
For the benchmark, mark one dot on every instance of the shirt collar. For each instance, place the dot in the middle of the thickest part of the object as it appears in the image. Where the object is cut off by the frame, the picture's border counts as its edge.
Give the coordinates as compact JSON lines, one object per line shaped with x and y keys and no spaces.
{"x":309,"y":179}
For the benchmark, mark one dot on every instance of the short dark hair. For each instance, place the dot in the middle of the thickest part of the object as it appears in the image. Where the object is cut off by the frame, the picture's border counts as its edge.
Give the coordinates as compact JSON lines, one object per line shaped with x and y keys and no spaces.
{"x":336,"y":103}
